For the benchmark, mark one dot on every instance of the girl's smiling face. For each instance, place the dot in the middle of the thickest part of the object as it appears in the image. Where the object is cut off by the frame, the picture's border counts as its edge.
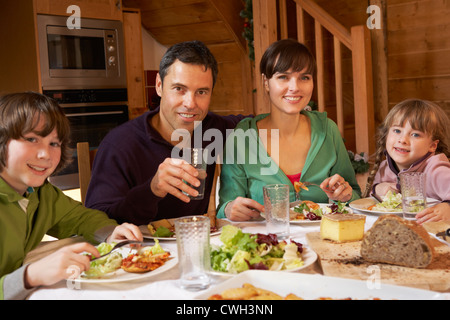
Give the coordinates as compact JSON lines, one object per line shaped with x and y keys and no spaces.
{"x":31,"y":159}
{"x":406,"y":145}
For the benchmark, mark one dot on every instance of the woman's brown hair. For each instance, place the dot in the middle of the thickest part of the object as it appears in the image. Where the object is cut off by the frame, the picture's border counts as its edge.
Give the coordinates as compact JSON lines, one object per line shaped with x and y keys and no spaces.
{"x":285,"y":54}
{"x":424,"y":116}
{"x":20,"y":113}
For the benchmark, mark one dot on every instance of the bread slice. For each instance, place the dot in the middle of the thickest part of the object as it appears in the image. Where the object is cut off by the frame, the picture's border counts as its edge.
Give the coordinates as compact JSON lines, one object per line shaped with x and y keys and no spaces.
{"x":395,"y":240}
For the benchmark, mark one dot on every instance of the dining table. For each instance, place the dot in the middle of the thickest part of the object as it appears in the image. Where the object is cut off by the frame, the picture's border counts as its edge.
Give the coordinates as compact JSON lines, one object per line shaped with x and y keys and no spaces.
{"x":165,"y":285}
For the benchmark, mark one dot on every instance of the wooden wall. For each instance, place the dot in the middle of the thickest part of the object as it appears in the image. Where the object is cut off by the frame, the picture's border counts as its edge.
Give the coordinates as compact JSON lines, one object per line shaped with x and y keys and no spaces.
{"x":411,"y":53}
{"x":418,"y":42}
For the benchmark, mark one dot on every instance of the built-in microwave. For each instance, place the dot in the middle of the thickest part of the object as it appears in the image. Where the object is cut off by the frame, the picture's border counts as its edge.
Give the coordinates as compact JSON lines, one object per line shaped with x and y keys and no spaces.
{"x":85,"y":58}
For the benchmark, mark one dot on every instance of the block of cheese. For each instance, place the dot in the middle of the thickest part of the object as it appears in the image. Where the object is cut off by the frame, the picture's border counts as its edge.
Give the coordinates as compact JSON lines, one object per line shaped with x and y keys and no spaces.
{"x":395,"y":240}
{"x":342,"y":227}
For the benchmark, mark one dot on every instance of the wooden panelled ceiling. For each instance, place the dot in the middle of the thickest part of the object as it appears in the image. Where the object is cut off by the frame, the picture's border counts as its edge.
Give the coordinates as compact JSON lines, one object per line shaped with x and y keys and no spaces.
{"x":173,"y":21}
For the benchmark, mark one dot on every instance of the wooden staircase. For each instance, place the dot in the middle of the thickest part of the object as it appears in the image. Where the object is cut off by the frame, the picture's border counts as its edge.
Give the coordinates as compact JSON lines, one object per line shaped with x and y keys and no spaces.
{"x":218,"y":24}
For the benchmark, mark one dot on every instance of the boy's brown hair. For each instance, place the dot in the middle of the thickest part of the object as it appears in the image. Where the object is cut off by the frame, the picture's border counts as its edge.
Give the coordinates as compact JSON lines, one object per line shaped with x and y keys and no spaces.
{"x":20,"y":114}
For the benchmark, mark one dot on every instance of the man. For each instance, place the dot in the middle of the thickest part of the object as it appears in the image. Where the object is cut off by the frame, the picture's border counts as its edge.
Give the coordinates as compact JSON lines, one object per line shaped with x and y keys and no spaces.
{"x":135,"y":177}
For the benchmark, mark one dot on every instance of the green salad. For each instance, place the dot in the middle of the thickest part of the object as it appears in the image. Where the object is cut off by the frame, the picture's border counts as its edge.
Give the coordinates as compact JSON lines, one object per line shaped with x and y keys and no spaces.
{"x":106,"y":264}
{"x":392,"y":202}
{"x":243,"y":251}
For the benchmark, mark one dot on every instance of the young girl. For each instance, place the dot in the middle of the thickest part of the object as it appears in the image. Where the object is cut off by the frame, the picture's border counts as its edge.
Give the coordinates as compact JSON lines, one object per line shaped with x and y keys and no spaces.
{"x":34,"y":135}
{"x":309,"y":147}
{"x":414,"y":138}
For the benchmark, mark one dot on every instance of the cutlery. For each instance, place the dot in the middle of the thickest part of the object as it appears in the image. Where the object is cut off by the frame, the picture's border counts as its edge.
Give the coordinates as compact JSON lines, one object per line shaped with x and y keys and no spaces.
{"x":122,"y":244}
{"x":443,"y":234}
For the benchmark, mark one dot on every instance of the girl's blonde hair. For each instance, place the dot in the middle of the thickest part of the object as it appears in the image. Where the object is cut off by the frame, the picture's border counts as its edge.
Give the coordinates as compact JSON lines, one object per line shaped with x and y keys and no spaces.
{"x":20,"y":114}
{"x":424,"y":116}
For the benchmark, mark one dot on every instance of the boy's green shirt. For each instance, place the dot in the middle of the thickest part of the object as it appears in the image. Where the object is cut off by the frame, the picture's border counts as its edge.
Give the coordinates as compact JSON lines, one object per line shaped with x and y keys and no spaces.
{"x":49,"y":211}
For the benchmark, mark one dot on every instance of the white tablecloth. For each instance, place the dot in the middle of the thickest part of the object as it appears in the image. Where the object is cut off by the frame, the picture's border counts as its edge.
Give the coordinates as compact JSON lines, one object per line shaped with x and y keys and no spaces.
{"x":164,"y":286}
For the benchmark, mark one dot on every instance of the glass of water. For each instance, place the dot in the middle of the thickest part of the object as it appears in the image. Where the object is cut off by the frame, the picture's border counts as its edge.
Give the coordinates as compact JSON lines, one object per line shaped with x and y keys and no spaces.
{"x":276,"y":209}
{"x":414,"y":198}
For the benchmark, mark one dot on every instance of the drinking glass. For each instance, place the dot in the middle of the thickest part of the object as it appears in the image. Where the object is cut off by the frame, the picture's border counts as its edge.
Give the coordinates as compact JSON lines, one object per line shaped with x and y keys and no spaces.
{"x":276,"y":209}
{"x":192,"y":233}
{"x":414,"y":197}
{"x":198,"y":161}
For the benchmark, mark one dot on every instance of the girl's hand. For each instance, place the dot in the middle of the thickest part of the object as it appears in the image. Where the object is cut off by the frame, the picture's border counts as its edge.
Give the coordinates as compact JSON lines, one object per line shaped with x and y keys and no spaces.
{"x":243,"y":209}
{"x":59,"y":265}
{"x":125,"y":231}
{"x":337,"y":188}
{"x":439,"y":212}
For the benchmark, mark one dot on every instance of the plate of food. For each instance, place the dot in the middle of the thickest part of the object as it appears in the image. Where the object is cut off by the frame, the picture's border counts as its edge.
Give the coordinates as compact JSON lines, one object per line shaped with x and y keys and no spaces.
{"x":257,"y":284}
{"x":310,"y":213}
{"x":241,"y":251}
{"x":391,"y":204}
{"x":165,"y":230}
{"x":127,"y":264}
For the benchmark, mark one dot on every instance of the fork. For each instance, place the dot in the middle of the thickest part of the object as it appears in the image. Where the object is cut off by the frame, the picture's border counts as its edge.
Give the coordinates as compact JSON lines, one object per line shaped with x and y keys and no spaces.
{"x":307,"y":184}
{"x":122,"y":244}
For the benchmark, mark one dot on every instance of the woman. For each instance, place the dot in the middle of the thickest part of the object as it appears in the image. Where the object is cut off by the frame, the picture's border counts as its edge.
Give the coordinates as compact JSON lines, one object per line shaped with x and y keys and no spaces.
{"x":287,"y":145}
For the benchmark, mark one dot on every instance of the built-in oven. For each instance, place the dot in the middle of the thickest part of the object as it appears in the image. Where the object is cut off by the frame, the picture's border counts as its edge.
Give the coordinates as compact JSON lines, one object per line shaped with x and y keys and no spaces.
{"x":92,"y":114}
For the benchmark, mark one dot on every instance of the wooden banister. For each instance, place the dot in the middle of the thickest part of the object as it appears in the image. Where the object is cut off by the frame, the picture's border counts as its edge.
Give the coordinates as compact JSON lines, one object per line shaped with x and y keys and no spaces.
{"x":327,"y":21}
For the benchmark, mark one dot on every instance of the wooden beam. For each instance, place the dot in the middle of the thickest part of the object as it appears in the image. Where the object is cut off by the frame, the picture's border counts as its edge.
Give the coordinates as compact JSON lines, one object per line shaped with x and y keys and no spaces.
{"x":282,"y":7}
{"x":363,"y":90}
{"x":320,"y":66}
{"x":338,"y":77}
{"x":379,"y":61}
{"x":265,"y":32}
{"x":301,"y":35}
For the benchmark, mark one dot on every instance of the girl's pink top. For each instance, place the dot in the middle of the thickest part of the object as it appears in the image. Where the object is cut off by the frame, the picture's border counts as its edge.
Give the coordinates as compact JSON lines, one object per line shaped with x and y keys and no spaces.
{"x":435,"y":166}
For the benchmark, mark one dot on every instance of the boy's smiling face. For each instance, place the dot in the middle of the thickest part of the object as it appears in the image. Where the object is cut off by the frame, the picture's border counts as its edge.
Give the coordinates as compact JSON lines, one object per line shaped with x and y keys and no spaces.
{"x":31,"y":159}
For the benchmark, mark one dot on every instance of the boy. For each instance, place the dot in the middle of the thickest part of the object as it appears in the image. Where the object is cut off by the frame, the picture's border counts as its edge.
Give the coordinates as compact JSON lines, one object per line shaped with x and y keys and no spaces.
{"x":34,"y":136}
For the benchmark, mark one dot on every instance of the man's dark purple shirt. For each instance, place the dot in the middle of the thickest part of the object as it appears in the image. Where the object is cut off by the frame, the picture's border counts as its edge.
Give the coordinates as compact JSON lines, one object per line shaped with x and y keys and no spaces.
{"x":126,"y":162}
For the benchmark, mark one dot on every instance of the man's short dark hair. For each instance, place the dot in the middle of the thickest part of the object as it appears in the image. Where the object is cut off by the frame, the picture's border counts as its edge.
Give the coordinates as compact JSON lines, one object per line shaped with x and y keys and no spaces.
{"x":192,"y":52}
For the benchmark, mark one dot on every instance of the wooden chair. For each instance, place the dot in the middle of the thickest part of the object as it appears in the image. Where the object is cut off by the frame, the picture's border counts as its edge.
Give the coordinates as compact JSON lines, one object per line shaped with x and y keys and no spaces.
{"x":213,"y":197}
{"x":85,"y":160}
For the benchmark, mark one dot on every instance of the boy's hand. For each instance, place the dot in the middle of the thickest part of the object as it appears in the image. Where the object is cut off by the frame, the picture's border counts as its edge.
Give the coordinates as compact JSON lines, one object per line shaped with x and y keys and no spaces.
{"x":59,"y":265}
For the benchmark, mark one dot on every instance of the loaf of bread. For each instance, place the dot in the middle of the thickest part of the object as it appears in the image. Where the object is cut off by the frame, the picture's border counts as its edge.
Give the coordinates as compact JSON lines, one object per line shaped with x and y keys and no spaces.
{"x":395,"y":240}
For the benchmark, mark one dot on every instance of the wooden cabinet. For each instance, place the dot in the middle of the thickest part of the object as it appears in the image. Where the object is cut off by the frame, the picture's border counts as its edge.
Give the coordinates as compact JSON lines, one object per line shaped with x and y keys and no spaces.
{"x":99,"y":9}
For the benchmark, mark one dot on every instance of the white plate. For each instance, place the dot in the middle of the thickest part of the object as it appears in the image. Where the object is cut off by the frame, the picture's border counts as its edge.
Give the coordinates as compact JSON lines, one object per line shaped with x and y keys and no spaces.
{"x":307,"y":222}
{"x":147,"y":235}
{"x":121,"y":275}
{"x":309,"y":257}
{"x":310,"y":287}
{"x":364,"y":203}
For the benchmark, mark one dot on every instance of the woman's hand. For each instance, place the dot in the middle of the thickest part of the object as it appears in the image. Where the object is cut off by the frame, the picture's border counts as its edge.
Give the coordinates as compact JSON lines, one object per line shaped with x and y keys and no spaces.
{"x":337,"y":188}
{"x":439,"y":212}
{"x":384,"y":187}
{"x":125,"y":231}
{"x":59,"y":265}
{"x":243,"y":209}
